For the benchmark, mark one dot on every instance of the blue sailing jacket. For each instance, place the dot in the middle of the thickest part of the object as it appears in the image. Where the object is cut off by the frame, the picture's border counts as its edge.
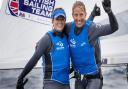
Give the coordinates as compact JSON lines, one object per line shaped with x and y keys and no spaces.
{"x":82,"y":53}
{"x":60,"y":58}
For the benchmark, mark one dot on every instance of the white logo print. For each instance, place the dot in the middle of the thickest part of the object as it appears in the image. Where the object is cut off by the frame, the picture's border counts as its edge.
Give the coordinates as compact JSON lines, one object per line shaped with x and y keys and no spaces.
{"x":72,"y":43}
{"x":60,"y":45}
{"x":83,"y":43}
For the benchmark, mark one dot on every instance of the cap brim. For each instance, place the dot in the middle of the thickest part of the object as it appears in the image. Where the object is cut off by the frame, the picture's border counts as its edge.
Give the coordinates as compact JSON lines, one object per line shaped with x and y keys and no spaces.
{"x":59,"y":15}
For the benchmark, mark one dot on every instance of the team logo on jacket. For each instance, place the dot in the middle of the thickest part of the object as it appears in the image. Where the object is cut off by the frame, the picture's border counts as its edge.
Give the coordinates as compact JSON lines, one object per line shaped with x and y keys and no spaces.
{"x":13,"y":7}
{"x":72,"y":43}
{"x":83,"y":43}
{"x":60,"y":45}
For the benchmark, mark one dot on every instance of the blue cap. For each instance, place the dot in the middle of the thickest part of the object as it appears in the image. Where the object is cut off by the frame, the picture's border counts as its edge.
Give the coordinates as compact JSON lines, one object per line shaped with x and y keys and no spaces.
{"x":57,"y":13}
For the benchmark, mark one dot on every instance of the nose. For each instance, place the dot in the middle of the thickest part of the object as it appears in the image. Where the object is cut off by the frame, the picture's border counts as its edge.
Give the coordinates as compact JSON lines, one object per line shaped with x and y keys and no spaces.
{"x":78,"y":18}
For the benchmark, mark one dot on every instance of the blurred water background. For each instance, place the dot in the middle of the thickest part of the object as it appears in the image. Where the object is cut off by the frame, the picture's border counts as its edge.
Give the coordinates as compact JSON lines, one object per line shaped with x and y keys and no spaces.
{"x":114,"y":78}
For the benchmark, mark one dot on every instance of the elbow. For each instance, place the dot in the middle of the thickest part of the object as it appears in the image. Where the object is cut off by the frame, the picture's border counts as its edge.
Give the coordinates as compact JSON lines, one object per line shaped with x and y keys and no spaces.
{"x":115,"y":27}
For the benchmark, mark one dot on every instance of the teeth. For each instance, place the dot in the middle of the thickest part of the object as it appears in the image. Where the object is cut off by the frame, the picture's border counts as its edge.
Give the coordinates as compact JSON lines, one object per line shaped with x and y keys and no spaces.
{"x":60,"y":24}
{"x":79,"y":23}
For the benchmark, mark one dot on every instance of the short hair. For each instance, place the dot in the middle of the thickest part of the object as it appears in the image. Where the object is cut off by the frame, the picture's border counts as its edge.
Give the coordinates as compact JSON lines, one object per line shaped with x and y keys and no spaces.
{"x":78,"y":3}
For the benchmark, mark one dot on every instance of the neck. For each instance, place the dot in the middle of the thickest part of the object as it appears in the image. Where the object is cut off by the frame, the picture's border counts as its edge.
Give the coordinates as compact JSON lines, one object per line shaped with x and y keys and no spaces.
{"x":57,"y":33}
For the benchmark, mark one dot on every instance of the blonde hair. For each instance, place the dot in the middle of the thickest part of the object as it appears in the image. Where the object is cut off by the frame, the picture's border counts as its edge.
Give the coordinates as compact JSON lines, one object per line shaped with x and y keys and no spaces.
{"x":78,"y":3}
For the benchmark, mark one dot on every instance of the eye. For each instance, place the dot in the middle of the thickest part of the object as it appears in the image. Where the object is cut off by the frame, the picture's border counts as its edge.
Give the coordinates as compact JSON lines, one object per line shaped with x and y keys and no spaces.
{"x":81,"y":14}
{"x":75,"y":15}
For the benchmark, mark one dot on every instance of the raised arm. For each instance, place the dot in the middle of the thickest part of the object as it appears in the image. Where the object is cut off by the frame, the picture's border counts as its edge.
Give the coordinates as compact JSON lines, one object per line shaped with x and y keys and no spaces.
{"x":102,"y":30}
{"x":112,"y":19}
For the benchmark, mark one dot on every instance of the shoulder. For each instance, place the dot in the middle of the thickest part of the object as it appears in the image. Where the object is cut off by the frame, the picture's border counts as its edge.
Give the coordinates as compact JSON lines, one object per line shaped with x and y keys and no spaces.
{"x":45,"y":38}
{"x":94,"y":29}
{"x":67,"y":28}
{"x":95,"y":26}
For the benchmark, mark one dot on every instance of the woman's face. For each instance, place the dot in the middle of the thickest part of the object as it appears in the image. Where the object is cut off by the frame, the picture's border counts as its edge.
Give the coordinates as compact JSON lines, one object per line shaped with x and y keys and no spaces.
{"x":59,"y":23}
{"x":79,"y":16}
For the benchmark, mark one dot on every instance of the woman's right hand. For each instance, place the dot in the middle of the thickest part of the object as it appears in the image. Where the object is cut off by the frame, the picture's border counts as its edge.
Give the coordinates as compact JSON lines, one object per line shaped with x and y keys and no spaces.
{"x":20,"y":83}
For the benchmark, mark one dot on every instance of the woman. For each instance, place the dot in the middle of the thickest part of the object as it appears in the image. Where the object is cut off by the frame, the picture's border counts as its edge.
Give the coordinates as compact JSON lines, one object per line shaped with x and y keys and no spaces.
{"x":83,"y":36}
{"x":95,"y":12}
{"x":53,"y":47}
